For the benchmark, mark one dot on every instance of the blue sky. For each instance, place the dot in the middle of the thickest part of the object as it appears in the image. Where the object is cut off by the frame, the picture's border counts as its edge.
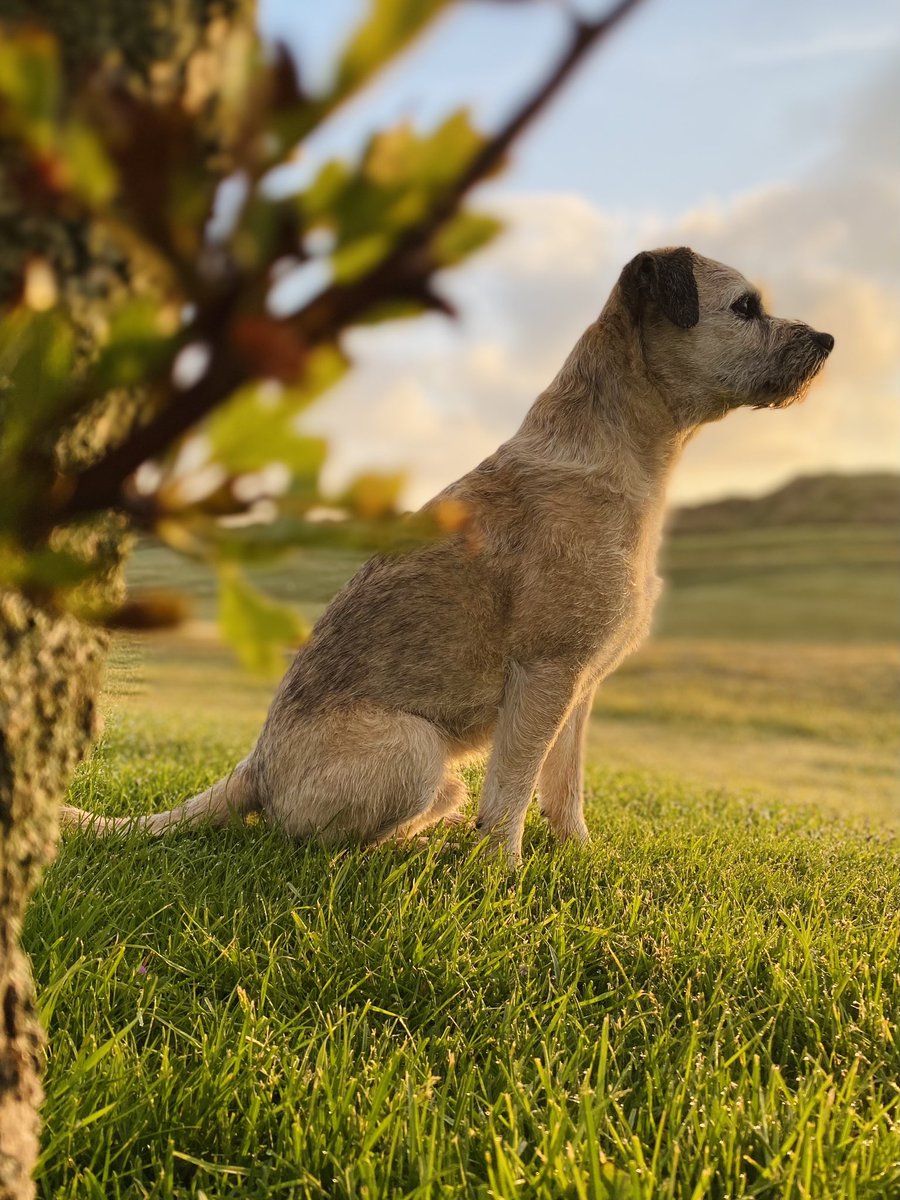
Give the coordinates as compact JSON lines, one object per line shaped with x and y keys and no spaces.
{"x":763,"y":132}
{"x":689,"y":99}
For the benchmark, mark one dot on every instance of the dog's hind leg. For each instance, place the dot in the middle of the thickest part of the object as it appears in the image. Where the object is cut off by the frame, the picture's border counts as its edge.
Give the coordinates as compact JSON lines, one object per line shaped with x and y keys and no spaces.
{"x":232,"y":796}
{"x":360,"y":774}
{"x":449,"y":799}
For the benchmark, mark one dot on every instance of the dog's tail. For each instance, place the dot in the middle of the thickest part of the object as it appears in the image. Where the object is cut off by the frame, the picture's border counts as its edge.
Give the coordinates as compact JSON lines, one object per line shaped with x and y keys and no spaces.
{"x":230,"y":797}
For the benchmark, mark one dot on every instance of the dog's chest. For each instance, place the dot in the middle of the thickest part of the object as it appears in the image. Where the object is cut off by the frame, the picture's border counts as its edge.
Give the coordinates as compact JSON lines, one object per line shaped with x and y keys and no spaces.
{"x":584,"y":575}
{"x":625,"y":583}
{"x":621,"y":619}
{"x":591,"y":597}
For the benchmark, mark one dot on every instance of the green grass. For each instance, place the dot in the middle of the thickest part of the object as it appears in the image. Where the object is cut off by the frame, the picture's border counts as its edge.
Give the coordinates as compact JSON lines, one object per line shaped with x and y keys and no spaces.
{"x":828,"y":584}
{"x":787,"y":722}
{"x":820,"y":584}
{"x":773,"y":669}
{"x":703,"y":1003}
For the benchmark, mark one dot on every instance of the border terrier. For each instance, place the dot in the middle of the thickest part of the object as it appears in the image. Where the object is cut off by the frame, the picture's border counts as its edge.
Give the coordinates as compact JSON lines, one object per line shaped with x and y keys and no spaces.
{"x":497,"y":635}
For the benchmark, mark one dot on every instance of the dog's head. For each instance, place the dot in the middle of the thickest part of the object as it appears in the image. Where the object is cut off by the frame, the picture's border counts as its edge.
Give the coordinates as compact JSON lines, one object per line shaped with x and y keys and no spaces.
{"x":706,"y":340}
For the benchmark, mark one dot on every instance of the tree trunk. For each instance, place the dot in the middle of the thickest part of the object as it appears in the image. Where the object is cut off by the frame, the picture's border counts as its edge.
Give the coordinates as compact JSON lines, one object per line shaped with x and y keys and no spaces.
{"x":50,"y":663}
{"x":50,"y":668}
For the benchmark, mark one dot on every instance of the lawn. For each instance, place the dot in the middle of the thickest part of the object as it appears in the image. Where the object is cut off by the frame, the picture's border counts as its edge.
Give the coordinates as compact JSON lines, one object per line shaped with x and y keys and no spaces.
{"x":704,"y":1002}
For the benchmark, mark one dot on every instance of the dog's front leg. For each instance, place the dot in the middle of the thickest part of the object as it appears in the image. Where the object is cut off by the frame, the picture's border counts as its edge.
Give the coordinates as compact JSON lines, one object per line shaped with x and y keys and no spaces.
{"x":536,"y":700}
{"x":561,"y":781}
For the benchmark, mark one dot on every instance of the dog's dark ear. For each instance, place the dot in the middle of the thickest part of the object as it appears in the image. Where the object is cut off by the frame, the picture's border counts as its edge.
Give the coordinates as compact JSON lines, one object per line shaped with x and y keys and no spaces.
{"x":667,"y":278}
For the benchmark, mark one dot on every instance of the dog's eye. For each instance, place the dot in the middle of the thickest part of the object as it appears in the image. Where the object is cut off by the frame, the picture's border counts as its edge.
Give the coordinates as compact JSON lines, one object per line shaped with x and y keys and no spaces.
{"x":748,"y":307}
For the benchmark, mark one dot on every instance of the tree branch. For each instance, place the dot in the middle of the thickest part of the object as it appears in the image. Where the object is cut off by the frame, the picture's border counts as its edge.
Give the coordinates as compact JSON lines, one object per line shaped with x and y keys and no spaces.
{"x":403,"y":271}
{"x":340,"y":304}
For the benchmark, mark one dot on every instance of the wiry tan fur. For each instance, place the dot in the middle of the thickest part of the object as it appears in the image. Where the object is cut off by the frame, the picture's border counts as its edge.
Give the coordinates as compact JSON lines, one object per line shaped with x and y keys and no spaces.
{"x":498,"y":635}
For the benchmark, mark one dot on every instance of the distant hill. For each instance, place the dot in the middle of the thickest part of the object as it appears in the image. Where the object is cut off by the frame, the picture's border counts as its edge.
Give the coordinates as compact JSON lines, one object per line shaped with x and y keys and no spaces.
{"x":833,"y":499}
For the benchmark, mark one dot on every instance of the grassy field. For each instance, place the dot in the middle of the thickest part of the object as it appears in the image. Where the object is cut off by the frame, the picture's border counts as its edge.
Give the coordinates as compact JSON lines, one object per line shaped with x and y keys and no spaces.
{"x":703,"y":1003}
{"x":774,"y":667}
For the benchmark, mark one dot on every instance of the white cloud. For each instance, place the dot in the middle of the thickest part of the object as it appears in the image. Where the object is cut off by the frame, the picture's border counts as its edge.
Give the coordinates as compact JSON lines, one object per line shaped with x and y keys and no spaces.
{"x":817,"y":269}
{"x":834,"y":44}
{"x":436,"y":397}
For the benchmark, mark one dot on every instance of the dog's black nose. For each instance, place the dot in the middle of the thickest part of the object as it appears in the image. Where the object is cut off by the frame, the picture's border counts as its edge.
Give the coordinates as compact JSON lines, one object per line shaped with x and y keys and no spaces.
{"x":825,"y":340}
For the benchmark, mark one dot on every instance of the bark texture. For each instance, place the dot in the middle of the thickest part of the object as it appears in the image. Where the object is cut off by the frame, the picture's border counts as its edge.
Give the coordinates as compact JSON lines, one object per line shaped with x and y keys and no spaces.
{"x":51,"y":663}
{"x":50,"y":668}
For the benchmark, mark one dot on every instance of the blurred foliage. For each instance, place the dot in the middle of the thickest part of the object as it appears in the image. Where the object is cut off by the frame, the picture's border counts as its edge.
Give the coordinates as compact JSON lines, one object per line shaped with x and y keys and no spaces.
{"x":401,"y":176}
{"x":137,"y":167}
{"x":255,"y":625}
{"x":166,"y":387}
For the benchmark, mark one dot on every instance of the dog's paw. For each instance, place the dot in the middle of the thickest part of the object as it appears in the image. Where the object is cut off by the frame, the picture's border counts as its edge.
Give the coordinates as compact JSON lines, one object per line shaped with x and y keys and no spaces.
{"x":495,"y":845}
{"x":458,"y":820}
{"x":576,"y":835}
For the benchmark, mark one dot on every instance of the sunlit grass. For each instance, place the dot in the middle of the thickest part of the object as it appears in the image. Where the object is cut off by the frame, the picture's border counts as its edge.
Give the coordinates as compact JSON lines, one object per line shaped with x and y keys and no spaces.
{"x":791,"y":722}
{"x":702,"y":1003}
{"x":814,"y":723}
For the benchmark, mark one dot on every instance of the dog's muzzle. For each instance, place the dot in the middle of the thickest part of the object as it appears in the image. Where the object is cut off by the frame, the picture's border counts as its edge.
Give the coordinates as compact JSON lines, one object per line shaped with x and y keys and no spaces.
{"x":795,"y":368}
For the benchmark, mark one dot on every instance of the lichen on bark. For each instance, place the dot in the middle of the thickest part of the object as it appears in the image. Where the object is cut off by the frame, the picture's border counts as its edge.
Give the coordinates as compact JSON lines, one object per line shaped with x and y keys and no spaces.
{"x":50,"y":662}
{"x":50,"y":667}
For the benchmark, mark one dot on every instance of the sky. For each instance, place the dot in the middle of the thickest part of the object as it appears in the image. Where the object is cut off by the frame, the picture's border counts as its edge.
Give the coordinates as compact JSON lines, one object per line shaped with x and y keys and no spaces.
{"x":763,"y":134}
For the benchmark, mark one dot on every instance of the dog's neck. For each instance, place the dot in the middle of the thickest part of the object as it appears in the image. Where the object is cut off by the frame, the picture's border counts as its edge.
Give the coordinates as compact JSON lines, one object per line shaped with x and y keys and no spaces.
{"x":603,"y":414}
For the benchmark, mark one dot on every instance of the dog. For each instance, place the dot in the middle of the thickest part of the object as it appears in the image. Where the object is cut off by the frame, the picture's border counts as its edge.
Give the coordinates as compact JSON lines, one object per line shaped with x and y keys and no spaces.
{"x":497,"y":635}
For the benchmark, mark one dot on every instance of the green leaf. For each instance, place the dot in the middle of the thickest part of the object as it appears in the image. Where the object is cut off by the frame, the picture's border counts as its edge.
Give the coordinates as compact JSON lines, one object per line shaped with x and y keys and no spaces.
{"x":388,"y":29}
{"x":258,"y":425}
{"x":139,"y":339}
{"x":450,"y":149}
{"x":36,"y":361}
{"x":390,"y":26}
{"x":246,"y":436}
{"x":462,"y":235}
{"x":322,"y":370}
{"x":394,"y":186}
{"x":43,"y":568}
{"x":30,"y":86}
{"x":267,"y":230}
{"x":258,"y":628}
{"x":89,"y":170}
{"x":400,"y":308}
{"x":372,"y":496}
{"x":356,"y":258}
{"x":266,"y":544}
{"x":30,"y":100}
{"x":322,"y":194}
